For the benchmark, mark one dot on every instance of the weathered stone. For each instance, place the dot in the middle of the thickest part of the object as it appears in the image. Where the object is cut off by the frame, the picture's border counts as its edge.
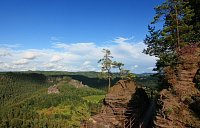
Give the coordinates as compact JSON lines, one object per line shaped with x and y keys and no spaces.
{"x":175,"y":109}
{"x":123,"y":101}
{"x":53,"y":89}
{"x":77,"y":84}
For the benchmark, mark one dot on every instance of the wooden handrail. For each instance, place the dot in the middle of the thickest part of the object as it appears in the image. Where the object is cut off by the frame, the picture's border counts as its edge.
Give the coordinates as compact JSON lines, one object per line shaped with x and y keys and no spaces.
{"x":129,"y":123}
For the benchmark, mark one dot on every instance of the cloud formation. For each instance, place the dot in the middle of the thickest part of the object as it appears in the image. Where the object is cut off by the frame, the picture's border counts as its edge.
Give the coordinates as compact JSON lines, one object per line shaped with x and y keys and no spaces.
{"x":56,"y":58}
{"x":30,"y":55}
{"x":10,"y":45}
{"x":21,"y":62}
{"x":4,"y":52}
{"x":77,"y":57}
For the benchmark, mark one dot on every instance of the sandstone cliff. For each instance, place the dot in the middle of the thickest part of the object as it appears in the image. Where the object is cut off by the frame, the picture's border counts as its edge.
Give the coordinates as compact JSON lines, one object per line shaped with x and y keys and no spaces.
{"x":124,"y":101}
{"x":175,"y":101}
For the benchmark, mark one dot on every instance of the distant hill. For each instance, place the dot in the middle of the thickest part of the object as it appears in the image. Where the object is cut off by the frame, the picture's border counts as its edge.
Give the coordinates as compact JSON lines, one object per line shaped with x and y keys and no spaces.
{"x":16,"y":86}
{"x":90,"y":74}
{"x":144,"y":74}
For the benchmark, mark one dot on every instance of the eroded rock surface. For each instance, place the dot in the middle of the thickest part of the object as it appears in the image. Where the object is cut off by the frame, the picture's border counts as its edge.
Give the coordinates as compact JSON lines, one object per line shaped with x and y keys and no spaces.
{"x":76,"y":83}
{"x":176,"y":100}
{"x":123,"y":101}
{"x":53,"y":89}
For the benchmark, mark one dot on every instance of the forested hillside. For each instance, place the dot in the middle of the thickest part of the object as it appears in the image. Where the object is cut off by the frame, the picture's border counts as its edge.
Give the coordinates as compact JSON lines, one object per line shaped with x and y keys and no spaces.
{"x":26,"y":103}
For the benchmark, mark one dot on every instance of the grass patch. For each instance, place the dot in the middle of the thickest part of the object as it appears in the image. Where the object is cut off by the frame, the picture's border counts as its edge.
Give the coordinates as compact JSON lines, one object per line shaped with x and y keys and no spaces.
{"x":94,"y":98}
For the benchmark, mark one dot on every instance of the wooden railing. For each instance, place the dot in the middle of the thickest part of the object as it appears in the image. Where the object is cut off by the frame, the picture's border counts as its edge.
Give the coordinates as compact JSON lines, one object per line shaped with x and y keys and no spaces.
{"x":130,"y":122}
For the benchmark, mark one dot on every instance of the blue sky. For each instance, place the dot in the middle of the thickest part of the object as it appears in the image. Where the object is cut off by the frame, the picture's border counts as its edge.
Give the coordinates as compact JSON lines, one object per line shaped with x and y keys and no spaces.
{"x":38,"y":31}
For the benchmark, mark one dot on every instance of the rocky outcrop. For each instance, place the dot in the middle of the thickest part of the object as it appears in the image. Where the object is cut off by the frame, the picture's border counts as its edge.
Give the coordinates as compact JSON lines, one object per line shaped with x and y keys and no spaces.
{"x":77,"y":84}
{"x":53,"y":90}
{"x":174,"y":102}
{"x":123,"y":101}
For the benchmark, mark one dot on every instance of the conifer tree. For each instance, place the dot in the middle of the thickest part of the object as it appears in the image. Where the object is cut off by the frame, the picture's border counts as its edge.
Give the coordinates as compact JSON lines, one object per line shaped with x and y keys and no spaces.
{"x":176,"y":29}
{"x":106,"y":63}
{"x":176,"y":32}
{"x":119,"y":65}
{"x":195,"y":6}
{"x":123,"y":73}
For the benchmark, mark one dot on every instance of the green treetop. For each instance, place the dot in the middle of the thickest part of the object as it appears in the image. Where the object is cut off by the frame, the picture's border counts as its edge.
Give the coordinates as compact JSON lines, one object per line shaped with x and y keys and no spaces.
{"x":106,"y":64}
{"x":176,"y":32}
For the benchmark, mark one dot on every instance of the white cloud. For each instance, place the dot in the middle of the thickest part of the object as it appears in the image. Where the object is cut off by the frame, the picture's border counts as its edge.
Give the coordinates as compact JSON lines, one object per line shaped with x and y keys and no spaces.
{"x":30,"y":55}
{"x":77,"y":48}
{"x":78,"y":57}
{"x":4,"y":66}
{"x":10,"y":45}
{"x":4,"y":52}
{"x":20,"y":62}
{"x":49,"y":65}
{"x":86,"y":63}
{"x":60,"y":45}
{"x":134,"y":67}
{"x":121,"y":40}
{"x":150,"y":68}
{"x":56,"y":58}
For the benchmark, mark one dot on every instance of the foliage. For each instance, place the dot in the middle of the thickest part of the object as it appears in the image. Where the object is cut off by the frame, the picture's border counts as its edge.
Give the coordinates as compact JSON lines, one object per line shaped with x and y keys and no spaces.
{"x":25,"y":102}
{"x":94,"y":98}
{"x":91,"y":78}
{"x":149,"y":81}
{"x":195,"y":4}
{"x":106,"y":65}
{"x":176,"y":32}
{"x":176,"y":29}
{"x":79,"y":115}
{"x":61,"y":110}
{"x":168,"y":111}
{"x":123,"y":73}
{"x":14,"y":87}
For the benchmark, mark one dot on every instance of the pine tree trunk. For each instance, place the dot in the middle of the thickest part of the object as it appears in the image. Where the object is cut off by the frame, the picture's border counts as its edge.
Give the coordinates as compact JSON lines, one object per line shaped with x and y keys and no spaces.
{"x":109,"y":83}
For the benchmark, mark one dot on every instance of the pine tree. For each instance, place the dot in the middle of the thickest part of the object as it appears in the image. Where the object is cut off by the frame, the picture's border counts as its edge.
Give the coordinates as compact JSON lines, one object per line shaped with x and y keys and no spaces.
{"x":176,"y":32}
{"x":106,"y":63}
{"x":176,"y":29}
{"x":195,"y":5}
{"x":119,"y":65}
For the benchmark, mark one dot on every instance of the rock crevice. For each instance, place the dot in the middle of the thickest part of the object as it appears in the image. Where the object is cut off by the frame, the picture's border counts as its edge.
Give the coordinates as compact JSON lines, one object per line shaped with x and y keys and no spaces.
{"x":123,"y":101}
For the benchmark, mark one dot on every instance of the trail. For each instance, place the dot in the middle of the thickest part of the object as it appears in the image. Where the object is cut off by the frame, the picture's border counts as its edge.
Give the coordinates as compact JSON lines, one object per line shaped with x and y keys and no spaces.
{"x":148,"y":115}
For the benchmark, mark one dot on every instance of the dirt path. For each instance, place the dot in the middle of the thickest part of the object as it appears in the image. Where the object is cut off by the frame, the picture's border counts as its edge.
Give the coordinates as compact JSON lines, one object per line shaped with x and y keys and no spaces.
{"x":148,"y":115}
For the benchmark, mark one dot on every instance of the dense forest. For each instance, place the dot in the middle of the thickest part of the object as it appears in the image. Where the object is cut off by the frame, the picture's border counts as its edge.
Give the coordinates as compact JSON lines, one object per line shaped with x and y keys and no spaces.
{"x":26,"y":103}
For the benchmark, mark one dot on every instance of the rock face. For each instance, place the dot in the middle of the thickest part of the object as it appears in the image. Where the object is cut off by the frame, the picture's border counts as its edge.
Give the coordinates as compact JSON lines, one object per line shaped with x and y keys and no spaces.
{"x":77,"y":83}
{"x":53,"y":89}
{"x":175,"y":101}
{"x":123,"y":101}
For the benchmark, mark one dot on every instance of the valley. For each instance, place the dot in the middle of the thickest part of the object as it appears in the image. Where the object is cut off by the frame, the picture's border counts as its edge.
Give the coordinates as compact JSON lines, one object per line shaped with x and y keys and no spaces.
{"x":100,"y":64}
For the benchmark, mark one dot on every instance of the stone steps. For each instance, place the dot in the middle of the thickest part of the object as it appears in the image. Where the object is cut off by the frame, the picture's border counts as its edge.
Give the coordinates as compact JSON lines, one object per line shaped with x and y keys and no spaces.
{"x":184,"y":83}
{"x":161,"y":122}
{"x":185,"y":80}
{"x":186,"y":76}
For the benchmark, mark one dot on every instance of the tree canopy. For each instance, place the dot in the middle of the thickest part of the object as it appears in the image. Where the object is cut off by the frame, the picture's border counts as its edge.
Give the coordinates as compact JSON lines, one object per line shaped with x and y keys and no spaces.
{"x":107,"y":64}
{"x":178,"y":30}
